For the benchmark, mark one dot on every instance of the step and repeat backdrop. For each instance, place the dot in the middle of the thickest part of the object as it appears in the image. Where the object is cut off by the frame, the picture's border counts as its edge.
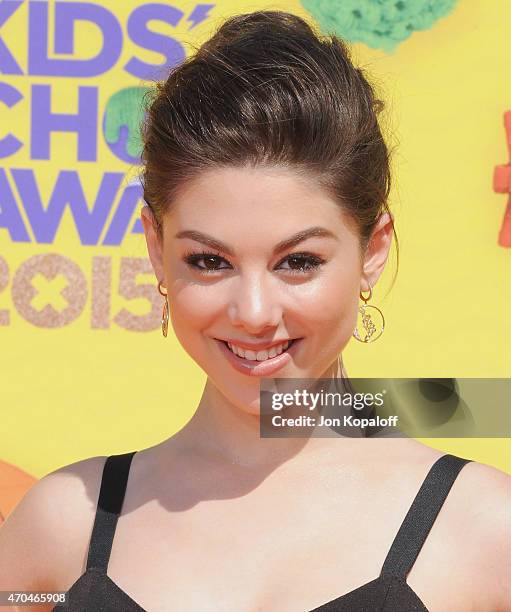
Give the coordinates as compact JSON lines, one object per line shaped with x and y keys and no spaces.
{"x":84,"y":369}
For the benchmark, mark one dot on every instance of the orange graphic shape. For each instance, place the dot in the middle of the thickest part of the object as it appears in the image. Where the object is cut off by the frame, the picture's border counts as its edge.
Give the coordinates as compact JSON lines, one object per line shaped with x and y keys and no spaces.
{"x":14,"y":483}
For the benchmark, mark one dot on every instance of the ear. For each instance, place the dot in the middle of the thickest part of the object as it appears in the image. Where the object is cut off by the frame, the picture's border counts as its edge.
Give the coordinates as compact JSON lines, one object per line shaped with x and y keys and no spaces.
{"x":154,"y":247}
{"x":377,"y":251}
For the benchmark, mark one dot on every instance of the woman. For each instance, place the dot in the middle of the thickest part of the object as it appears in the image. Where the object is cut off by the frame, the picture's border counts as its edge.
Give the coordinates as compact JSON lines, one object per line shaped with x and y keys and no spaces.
{"x":266,"y":178}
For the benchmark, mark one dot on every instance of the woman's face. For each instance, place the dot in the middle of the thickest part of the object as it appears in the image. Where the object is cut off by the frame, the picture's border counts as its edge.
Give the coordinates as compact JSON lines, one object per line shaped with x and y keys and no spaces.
{"x":248,"y":289}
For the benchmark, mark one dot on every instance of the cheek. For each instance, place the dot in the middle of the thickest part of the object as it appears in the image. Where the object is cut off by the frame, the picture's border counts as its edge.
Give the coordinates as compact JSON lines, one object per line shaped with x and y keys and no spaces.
{"x":186,"y":309}
{"x":190,"y":314}
{"x":330,"y":316}
{"x":331,"y":305}
{"x":191,"y":309}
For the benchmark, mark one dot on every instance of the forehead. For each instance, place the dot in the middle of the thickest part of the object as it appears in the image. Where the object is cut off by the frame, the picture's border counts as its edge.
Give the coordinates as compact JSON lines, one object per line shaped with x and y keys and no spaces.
{"x":269,"y":202}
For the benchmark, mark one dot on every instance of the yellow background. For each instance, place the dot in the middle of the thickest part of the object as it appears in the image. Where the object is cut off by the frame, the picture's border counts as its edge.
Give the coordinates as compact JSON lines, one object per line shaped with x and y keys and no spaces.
{"x":74,"y":392}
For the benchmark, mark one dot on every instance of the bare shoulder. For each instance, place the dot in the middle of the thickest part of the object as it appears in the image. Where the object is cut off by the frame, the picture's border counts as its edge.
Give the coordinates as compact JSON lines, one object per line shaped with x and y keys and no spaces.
{"x":44,"y":540}
{"x":486,"y":494}
{"x":483,"y":493}
{"x":474,"y":530}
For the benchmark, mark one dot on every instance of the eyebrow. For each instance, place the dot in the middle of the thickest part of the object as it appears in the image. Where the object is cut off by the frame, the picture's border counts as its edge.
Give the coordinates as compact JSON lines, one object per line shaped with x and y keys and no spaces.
{"x":293,"y":240}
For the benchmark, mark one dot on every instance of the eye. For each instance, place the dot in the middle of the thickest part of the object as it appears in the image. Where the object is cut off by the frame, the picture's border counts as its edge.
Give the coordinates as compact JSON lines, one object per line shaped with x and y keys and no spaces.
{"x":212,"y":259}
{"x":304,"y":262}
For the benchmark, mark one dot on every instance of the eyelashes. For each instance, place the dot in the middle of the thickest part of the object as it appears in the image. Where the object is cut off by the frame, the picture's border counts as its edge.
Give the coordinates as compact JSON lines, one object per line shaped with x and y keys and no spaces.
{"x":307,"y":262}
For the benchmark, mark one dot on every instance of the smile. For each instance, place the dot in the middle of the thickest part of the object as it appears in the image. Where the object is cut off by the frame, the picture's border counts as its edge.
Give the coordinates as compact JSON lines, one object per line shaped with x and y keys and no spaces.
{"x":261,"y":355}
{"x":264,"y":362}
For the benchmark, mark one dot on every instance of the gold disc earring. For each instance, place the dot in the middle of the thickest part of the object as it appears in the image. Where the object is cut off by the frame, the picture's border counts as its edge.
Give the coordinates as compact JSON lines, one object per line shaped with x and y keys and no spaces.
{"x":371,"y":320}
{"x":165,"y":312}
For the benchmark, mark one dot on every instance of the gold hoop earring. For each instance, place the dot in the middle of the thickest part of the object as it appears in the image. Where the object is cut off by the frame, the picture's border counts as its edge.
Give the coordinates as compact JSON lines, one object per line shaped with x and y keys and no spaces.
{"x":371,"y":320}
{"x":165,"y":312}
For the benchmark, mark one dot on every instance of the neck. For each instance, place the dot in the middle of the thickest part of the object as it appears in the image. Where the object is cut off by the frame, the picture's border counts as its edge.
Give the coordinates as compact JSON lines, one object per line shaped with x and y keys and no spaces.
{"x":230,"y":433}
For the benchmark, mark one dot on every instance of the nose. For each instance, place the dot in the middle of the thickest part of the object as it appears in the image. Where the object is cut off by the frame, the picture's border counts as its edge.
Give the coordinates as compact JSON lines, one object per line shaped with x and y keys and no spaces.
{"x":255,"y":305}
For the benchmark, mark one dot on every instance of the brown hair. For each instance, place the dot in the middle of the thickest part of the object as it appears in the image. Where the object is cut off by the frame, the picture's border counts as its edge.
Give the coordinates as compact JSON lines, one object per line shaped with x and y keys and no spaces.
{"x":266,"y":89}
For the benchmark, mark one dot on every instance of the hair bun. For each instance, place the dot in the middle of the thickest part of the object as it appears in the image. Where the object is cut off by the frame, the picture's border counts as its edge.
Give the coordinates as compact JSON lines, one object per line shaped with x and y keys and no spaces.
{"x":273,"y":25}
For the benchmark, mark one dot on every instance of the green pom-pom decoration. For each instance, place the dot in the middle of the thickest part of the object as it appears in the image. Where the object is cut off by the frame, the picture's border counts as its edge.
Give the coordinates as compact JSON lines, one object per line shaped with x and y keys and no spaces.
{"x":125,"y":108}
{"x":380,"y":24}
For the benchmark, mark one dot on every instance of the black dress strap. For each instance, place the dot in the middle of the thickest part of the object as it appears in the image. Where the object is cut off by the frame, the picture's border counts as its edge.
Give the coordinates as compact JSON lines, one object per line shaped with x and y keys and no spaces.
{"x":422,"y":514}
{"x":111,"y":497}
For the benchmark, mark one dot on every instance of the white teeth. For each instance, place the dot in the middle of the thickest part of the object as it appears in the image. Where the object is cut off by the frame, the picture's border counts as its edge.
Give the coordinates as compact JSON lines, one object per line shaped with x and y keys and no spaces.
{"x":259,"y":355}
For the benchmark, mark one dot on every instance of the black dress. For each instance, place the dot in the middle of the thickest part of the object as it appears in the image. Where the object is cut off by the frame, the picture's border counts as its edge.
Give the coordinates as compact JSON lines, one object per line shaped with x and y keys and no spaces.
{"x":95,"y":591}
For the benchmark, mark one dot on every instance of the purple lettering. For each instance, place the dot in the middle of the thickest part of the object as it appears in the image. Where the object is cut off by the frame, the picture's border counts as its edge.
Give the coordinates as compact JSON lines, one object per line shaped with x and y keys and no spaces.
{"x":123,"y":214}
{"x":8,"y":64}
{"x":137,"y":228}
{"x":199,"y":14}
{"x":139,"y":33}
{"x":10,"y":96}
{"x":44,"y":122}
{"x":67,"y":191}
{"x":66,"y":14}
{"x":10,"y":216}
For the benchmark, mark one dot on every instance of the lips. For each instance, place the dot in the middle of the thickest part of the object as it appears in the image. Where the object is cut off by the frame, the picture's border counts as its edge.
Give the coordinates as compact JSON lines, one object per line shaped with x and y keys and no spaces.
{"x":256,"y":346}
{"x":252,"y":367}
{"x":267,"y":349}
